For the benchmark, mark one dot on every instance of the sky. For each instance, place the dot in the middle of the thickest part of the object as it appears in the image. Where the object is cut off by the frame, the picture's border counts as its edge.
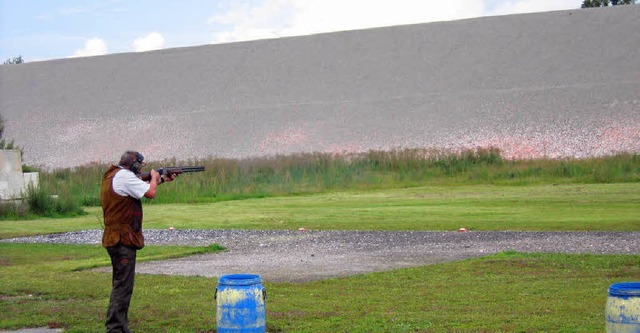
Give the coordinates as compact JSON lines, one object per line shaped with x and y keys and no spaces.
{"x":40,"y":30}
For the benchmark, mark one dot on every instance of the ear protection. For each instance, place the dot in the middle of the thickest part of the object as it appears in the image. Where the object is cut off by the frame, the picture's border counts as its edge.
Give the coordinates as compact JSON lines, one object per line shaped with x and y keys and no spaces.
{"x":135,"y":167}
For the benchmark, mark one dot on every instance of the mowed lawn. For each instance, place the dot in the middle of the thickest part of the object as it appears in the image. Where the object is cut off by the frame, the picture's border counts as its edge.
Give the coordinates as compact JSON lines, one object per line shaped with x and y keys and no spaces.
{"x":605,"y":207}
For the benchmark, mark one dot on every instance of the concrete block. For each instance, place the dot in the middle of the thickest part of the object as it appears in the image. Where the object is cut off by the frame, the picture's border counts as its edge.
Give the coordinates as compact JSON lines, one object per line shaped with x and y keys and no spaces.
{"x":11,"y":177}
{"x":31,"y":178}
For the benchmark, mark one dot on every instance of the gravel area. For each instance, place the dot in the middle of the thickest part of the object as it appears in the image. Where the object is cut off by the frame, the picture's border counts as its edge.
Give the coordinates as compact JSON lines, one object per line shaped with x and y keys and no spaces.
{"x":298,"y":256}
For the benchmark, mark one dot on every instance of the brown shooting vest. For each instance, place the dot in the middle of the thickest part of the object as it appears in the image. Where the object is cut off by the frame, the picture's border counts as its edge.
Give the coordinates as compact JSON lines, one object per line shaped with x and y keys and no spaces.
{"x":122,"y":215}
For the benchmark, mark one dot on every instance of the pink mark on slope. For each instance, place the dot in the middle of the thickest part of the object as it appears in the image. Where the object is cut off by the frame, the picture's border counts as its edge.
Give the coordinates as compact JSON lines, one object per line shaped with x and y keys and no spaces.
{"x":283,"y":141}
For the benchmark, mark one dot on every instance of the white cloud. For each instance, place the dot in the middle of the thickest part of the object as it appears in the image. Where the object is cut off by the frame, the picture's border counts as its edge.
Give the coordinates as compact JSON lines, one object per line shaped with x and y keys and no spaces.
{"x":333,"y":15}
{"x":268,"y":19}
{"x":152,"y":41}
{"x":279,"y":18}
{"x":92,"y":47}
{"x":532,"y":6}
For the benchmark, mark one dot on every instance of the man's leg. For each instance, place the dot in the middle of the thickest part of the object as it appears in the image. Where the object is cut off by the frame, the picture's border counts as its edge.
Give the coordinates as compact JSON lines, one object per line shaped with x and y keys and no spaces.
{"x":123,"y":261}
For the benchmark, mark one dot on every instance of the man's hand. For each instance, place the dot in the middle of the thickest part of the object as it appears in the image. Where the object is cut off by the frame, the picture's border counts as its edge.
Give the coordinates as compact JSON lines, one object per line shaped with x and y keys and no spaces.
{"x":170,"y":177}
{"x":155,"y":176}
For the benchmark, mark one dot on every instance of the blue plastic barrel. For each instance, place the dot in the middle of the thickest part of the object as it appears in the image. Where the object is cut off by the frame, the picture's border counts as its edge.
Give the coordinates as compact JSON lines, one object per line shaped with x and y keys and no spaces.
{"x":240,"y":301}
{"x":623,"y":308}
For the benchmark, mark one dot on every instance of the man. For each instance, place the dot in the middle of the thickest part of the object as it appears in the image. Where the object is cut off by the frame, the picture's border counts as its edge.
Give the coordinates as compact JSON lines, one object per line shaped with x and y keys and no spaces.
{"x":120,"y":195}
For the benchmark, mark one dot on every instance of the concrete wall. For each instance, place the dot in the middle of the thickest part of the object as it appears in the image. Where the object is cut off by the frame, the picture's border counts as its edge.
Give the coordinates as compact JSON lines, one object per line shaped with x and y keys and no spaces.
{"x":554,"y":84}
{"x":13,"y":182}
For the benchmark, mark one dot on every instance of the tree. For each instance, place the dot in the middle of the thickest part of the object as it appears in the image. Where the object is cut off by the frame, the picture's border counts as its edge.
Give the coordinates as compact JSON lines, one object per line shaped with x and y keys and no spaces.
{"x":13,"y":61}
{"x":605,"y":3}
{"x":595,"y":3}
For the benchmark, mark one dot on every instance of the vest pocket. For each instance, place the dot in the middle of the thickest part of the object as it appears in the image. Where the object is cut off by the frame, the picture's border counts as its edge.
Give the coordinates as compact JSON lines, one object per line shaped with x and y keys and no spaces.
{"x":131,"y":238}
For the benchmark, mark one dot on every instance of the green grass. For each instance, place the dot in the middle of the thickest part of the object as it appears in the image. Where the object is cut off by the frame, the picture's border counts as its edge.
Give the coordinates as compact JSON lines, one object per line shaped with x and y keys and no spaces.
{"x":603,"y":207}
{"x":50,"y":285}
{"x":43,"y":285}
{"x":47,"y":285}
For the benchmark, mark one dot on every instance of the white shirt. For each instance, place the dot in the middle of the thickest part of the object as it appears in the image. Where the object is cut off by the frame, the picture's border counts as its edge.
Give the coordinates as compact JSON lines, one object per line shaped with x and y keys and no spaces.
{"x":125,"y":183}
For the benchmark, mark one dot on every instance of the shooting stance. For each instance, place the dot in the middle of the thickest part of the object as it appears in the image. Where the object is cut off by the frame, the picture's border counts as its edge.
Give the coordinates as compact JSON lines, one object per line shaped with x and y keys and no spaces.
{"x":121,"y":193}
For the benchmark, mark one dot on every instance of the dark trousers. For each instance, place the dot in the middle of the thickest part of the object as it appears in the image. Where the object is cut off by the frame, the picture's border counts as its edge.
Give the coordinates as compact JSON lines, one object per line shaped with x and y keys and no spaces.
{"x":123,"y":261}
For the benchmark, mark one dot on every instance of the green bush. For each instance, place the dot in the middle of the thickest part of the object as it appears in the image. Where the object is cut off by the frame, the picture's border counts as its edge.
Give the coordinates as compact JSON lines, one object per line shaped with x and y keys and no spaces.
{"x":27,"y":168}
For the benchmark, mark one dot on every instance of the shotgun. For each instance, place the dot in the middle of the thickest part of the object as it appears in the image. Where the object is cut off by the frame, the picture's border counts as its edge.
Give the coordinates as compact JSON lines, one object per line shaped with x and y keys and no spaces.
{"x":146,"y":176}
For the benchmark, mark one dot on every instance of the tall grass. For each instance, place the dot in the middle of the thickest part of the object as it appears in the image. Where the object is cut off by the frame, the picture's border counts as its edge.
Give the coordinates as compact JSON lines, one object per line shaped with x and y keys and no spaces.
{"x":229,"y":179}
{"x":39,"y":202}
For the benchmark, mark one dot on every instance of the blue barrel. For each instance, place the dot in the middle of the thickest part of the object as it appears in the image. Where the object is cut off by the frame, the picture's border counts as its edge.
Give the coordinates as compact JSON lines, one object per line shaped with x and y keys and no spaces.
{"x":623,"y":308}
{"x":240,"y":301}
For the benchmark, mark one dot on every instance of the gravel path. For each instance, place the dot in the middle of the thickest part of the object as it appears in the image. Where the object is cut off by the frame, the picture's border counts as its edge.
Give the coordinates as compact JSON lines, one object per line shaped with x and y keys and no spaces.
{"x":297,"y":256}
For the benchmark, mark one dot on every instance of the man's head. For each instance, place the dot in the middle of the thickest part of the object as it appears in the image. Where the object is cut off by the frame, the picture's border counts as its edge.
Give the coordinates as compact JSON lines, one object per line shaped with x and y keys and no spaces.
{"x":132,"y":160}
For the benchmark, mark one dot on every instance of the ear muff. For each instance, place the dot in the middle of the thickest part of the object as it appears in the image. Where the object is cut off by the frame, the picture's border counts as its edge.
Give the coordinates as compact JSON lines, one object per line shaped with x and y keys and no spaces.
{"x":135,"y":167}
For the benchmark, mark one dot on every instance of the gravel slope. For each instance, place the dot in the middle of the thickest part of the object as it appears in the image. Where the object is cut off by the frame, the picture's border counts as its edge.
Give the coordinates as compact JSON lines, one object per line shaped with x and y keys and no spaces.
{"x":296,"y":256}
{"x":553,"y":84}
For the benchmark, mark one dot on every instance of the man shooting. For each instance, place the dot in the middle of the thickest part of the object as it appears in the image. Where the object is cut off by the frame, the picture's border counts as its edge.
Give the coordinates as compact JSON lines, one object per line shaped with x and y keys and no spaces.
{"x":121,"y":194}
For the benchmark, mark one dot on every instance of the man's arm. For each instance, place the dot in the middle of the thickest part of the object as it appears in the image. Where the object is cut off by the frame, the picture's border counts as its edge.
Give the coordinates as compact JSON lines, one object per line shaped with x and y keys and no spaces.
{"x":153,"y":185}
{"x":157,"y":179}
{"x":125,"y":183}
